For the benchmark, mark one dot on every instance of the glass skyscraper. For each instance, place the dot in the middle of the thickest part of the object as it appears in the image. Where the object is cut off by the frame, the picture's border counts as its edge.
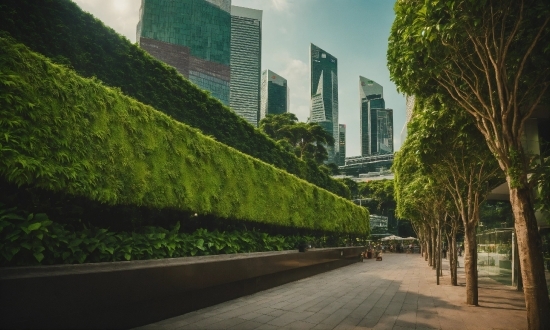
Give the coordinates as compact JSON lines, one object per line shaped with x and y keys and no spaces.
{"x":324,"y":95}
{"x":275,"y":94}
{"x":342,"y":145}
{"x":246,"y":62}
{"x":194,"y":36}
{"x":376,"y":128}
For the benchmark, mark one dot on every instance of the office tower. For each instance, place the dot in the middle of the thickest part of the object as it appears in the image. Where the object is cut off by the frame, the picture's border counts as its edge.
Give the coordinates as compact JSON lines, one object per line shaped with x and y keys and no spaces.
{"x":194,"y":36}
{"x":324,"y":94}
{"x":376,"y":121}
{"x":342,"y":145}
{"x":275,"y":94}
{"x":246,"y":62}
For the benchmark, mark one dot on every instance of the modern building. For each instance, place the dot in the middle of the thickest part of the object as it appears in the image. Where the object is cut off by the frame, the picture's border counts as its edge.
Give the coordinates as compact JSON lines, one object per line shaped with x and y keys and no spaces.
{"x":342,"y":145}
{"x":376,"y":129}
{"x":275,"y":94}
{"x":246,"y":63}
{"x":324,"y":95}
{"x":193,"y":36}
{"x":378,"y":221}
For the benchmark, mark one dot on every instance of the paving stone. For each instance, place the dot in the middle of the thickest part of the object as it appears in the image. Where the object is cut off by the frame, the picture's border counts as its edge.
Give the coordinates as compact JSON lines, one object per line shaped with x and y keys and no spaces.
{"x":398,"y":293}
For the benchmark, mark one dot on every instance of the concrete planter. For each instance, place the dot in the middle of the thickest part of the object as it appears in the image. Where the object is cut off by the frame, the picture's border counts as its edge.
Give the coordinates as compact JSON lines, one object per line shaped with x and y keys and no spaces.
{"x":134,"y":293}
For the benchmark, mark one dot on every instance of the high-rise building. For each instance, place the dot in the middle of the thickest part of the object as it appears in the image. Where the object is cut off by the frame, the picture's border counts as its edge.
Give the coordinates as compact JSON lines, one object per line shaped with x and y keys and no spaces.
{"x":376,"y":128}
{"x":194,"y":36}
{"x":246,"y":62}
{"x":342,"y":145}
{"x":324,"y":95}
{"x":275,"y":94}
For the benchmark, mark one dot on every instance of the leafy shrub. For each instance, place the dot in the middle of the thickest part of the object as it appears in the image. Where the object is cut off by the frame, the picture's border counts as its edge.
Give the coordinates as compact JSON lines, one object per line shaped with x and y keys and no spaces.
{"x":33,"y":239}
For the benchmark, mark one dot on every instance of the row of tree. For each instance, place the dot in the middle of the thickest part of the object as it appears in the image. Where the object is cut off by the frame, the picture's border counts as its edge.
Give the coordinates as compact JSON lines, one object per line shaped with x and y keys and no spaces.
{"x":479,"y":71}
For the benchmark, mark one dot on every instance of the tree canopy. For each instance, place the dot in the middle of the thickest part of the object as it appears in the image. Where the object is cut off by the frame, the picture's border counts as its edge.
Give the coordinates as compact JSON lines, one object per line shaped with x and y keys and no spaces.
{"x":306,"y":140}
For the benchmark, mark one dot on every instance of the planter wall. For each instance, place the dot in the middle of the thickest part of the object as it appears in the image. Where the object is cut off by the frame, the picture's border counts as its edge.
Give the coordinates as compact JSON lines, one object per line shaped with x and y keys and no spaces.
{"x":134,"y":293}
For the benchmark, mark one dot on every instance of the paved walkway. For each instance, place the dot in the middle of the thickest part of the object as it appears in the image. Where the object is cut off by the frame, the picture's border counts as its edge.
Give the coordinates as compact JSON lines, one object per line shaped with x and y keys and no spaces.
{"x":396,"y":293}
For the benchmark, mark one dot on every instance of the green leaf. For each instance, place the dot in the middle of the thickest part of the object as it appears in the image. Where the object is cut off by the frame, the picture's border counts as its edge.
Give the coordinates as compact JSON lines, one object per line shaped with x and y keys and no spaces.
{"x":34,"y":226}
{"x":39,"y":256}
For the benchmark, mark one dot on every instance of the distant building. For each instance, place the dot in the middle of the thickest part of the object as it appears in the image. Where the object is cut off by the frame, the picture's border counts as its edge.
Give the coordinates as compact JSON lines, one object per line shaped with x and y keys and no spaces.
{"x":378,"y":221}
{"x":324,"y":95}
{"x":246,"y":62}
{"x":342,"y":145}
{"x":376,"y":129}
{"x":194,"y":36}
{"x":275,"y":94}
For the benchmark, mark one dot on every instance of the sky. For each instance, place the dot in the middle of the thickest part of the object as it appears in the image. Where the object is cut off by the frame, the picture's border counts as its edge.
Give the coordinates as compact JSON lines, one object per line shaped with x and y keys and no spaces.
{"x":354,"y":31}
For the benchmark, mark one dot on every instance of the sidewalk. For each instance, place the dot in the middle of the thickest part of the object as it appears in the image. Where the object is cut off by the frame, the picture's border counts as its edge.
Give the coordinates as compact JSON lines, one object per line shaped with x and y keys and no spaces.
{"x":396,"y":293}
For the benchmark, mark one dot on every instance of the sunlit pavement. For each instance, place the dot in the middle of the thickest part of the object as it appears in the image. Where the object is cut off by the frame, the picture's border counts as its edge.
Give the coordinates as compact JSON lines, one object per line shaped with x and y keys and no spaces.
{"x":399,"y":292}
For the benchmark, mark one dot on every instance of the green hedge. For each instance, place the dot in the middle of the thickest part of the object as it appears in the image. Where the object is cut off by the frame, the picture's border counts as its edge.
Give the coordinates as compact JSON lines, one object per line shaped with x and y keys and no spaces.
{"x":60,"y":30}
{"x":61,"y":132}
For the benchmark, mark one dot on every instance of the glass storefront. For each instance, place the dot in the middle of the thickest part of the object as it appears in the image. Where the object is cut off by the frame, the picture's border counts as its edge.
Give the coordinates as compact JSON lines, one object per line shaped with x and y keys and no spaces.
{"x":495,"y":254}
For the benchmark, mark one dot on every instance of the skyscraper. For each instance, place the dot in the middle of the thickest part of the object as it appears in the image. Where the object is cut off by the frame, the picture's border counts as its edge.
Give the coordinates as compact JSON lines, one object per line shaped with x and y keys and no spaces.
{"x":376,"y":128}
{"x":342,"y":145}
{"x":275,"y":94}
{"x":194,"y":36}
{"x":324,"y":94}
{"x":246,"y":62}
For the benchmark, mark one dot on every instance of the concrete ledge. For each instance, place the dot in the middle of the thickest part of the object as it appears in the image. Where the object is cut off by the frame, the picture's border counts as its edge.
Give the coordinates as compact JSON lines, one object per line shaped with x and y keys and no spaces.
{"x":134,"y":293}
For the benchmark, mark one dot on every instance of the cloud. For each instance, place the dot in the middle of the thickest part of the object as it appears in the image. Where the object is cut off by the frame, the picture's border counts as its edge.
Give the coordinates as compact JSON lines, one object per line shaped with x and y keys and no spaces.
{"x":280,"y":5}
{"x":121,"y":15}
{"x":296,"y":72}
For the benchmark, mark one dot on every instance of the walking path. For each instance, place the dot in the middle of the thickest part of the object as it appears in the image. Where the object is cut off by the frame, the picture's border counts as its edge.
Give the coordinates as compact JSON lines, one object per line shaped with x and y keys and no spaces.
{"x":399,"y":292}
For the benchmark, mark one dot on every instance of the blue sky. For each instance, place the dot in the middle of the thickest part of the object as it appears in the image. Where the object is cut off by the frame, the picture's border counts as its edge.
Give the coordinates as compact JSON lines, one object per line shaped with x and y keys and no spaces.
{"x":354,"y":31}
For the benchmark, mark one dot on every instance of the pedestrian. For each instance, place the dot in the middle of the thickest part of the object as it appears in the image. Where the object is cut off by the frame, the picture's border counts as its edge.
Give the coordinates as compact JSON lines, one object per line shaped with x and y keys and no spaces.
{"x":444,"y":252}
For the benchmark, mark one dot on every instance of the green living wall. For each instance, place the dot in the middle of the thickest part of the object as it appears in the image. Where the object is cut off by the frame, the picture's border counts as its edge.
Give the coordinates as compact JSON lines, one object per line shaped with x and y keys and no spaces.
{"x":62,"y":132}
{"x":60,"y":30}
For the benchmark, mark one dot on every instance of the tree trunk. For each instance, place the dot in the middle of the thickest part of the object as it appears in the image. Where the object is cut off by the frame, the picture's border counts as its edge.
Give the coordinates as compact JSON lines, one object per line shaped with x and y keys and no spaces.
{"x":429,"y":247}
{"x":530,"y":258}
{"x":434,"y":249}
{"x":454,"y":264}
{"x":470,"y":264}
{"x":438,"y":252}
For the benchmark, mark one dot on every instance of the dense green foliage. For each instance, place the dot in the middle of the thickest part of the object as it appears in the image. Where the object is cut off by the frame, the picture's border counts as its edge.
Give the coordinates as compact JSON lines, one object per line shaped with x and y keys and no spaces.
{"x":33,"y":239}
{"x":307,"y":141}
{"x":60,"y":30}
{"x":61,"y":132}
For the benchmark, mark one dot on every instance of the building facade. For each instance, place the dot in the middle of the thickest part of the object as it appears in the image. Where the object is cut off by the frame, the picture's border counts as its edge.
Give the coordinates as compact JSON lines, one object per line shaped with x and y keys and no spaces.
{"x":324,"y":95}
{"x":193,"y":36}
{"x":342,"y":145}
{"x":376,"y":129}
{"x":246,"y":63}
{"x":275,"y":94}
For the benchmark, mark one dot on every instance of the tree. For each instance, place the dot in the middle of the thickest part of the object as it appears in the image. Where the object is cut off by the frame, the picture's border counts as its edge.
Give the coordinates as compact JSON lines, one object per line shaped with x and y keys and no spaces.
{"x":307,"y":140}
{"x":448,"y":148}
{"x":275,"y":126}
{"x":491,"y":58}
{"x":352,"y":185}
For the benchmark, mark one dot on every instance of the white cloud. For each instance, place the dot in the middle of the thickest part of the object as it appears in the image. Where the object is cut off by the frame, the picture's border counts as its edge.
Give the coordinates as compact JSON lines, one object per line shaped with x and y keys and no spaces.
{"x":121,"y":15}
{"x":296,"y":73}
{"x":280,"y":5}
